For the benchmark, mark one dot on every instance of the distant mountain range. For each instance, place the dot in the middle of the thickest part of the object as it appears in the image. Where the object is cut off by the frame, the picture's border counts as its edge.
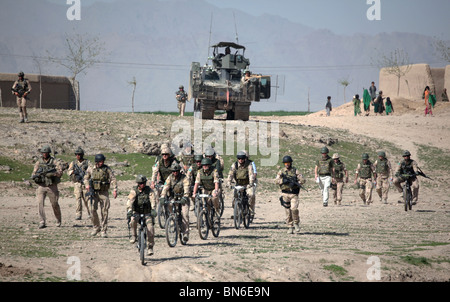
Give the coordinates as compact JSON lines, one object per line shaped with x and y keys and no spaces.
{"x":155,"y":42}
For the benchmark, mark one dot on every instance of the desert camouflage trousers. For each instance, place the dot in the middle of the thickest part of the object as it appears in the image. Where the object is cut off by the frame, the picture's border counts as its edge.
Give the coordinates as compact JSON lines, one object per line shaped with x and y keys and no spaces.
{"x":101,"y":199}
{"x":53,"y":195}
{"x":337,"y":193}
{"x":382,"y":187}
{"x":292,"y":214}
{"x":365,"y":190}
{"x":80,"y":198}
{"x":150,"y":221}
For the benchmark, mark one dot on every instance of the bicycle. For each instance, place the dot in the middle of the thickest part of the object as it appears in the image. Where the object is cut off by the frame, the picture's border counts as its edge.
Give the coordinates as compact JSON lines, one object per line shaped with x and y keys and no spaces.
{"x":208,"y":218}
{"x":241,"y":209}
{"x":162,"y":212}
{"x":407,"y":192}
{"x":174,"y":223}
{"x":142,"y":236}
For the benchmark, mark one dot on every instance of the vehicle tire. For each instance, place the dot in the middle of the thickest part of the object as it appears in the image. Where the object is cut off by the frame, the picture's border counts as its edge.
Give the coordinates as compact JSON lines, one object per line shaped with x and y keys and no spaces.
{"x":142,"y":245}
{"x":171,"y":231}
{"x":207,"y":109}
{"x":237,"y":214}
{"x":202,"y":225}
{"x":242,"y":111}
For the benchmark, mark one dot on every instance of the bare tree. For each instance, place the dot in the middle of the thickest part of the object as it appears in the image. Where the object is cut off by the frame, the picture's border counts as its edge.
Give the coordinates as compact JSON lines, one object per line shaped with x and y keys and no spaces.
{"x":133,"y":82}
{"x":82,"y":52}
{"x":395,"y":63}
{"x":443,"y":49}
{"x":345,"y":83}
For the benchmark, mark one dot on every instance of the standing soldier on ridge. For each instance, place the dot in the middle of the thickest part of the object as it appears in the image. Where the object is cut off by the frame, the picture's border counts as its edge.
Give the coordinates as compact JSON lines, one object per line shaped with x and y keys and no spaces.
{"x":21,"y":89}
{"x":181,"y":97}
{"x":77,"y":170}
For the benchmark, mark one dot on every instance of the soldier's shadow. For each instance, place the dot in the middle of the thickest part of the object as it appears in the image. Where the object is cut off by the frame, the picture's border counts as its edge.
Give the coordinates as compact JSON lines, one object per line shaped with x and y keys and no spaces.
{"x":44,"y":122}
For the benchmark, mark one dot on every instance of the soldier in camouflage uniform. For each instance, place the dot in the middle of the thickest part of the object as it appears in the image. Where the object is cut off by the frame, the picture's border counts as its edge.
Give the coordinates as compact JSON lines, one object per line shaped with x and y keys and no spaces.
{"x":289,"y":193}
{"x":407,"y":167}
{"x":208,"y":178}
{"x":365,"y":172}
{"x":177,"y":186}
{"x":216,"y":159}
{"x":162,"y":168}
{"x":102,"y":178}
{"x":384,"y":173}
{"x":21,"y":89}
{"x":77,"y":170}
{"x":339,"y":175}
{"x":181,"y":97}
{"x":243,"y":174}
{"x":191,"y":174}
{"x":141,"y":200}
{"x":47,"y":174}
{"x":322,"y":174}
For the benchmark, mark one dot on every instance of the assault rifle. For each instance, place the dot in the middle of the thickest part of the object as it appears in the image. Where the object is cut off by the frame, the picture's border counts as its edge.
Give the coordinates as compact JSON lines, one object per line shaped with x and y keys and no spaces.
{"x":21,"y":91}
{"x":419,"y":172}
{"x":79,"y":173}
{"x":42,"y":173}
{"x":292,"y":182}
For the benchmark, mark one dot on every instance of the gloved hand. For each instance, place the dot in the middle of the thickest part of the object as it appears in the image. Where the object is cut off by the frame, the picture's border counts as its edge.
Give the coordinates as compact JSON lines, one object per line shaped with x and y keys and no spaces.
{"x":153,"y":213}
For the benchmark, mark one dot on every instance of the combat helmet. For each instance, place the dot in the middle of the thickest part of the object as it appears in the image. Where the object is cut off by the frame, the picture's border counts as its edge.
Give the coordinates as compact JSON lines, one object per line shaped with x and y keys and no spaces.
{"x":210,"y":151}
{"x":141,"y":179}
{"x":287,"y":159}
{"x":21,"y":74}
{"x":241,"y":155}
{"x":206,"y":161}
{"x":335,"y":156}
{"x":365,"y":156}
{"x":324,"y":150}
{"x":46,"y":149}
{"x":99,"y":158}
{"x":406,"y":153}
{"x":382,"y":153}
{"x":198,"y":157}
{"x":181,"y":87}
{"x":175,"y":167}
{"x":79,"y":150}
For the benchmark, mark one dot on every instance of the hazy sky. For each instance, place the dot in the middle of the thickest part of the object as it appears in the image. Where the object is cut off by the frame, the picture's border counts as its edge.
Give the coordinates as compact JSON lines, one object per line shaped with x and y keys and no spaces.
{"x":347,"y":16}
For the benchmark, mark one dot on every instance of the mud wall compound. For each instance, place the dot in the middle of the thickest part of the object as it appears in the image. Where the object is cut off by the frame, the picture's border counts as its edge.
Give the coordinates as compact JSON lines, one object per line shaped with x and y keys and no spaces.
{"x":413,"y":83}
{"x":57,"y":91}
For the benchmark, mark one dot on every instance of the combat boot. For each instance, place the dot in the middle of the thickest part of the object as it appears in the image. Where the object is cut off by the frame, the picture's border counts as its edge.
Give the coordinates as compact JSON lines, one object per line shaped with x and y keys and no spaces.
{"x":133,"y":239}
{"x":150,"y":251}
{"x":290,"y":230}
{"x":95,"y":232}
{"x":297,"y":228}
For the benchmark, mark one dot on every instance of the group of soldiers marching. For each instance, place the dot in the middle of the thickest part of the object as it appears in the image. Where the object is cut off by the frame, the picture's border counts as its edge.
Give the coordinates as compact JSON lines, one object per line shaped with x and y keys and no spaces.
{"x":182,"y":177}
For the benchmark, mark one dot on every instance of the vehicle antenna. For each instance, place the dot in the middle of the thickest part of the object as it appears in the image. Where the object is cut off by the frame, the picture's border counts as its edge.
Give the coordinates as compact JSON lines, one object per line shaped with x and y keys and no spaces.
{"x":210,"y":32}
{"x":235,"y":28}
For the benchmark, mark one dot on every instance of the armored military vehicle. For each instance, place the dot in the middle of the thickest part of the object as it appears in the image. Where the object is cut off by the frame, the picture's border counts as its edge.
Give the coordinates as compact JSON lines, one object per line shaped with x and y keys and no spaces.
{"x":222,"y":84}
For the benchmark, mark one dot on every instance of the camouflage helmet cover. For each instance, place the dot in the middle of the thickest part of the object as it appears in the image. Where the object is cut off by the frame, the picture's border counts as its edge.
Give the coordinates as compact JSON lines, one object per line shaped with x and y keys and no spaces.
{"x":141,"y":179}
{"x":79,"y":150}
{"x":365,"y":156}
{"x":46,"y":149}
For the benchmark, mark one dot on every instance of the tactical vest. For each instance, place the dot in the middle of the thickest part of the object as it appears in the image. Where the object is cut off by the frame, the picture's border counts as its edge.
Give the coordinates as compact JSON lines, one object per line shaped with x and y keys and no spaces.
{"x":44,"y":167}
{"x":339,"y":170}
{"x":325,"y":166}
{"x":407,"y":168}
{"x":286,"y":188}
{"x":164,"y":170}
{"x":177,"y":188}
{"x":216,"y":165}
{"x":365,"y":170}
{"x":241,"y":174}
{"x":142,"y":203}
{"x":207,"y":179}
{"x":382,"y":167}
{"x":21,"y":87}
{"x":100,"y":178}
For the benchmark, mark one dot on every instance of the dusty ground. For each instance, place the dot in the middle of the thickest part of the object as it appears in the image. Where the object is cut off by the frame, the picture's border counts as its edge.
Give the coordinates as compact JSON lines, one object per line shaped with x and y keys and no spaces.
{"x":336,"y":243}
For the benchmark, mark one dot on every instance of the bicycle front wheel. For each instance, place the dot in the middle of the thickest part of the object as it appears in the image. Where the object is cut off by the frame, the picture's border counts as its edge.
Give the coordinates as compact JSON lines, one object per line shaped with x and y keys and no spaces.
{"x":407,"y":198}
{"x":171,"y":231}
{"x":142,"y":244}
{"x":202,"y":225}
{"x":237,"y":215}
{"x":246,"y":217}
{"x":215,"y":223}
{"x":161,"y":216}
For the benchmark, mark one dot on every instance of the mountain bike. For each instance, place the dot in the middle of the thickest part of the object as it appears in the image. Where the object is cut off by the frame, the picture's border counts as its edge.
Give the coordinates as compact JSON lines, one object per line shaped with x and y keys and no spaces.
{"x":208,"y":218}
{"x":174,"y":223}
{"x":241,"y":209}
{"x":142,"y":236}
{"x":407,"y":192}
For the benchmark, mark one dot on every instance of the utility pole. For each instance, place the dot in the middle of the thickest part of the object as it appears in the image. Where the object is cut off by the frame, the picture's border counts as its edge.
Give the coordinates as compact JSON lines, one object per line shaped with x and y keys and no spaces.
{"x":308,"y":100}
